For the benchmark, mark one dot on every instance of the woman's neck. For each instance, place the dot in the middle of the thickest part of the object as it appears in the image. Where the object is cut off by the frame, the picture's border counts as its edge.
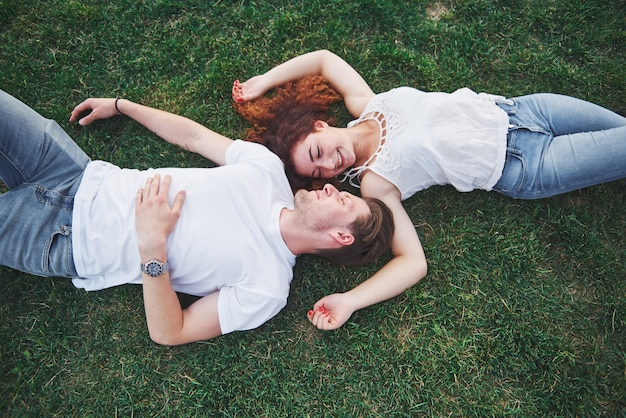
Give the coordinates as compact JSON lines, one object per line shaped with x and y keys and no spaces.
{"x":366,"y":139}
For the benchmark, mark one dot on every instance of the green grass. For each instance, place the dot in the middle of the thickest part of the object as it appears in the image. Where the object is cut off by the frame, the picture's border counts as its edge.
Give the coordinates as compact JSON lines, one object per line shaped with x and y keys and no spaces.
{"x":523,"y":312}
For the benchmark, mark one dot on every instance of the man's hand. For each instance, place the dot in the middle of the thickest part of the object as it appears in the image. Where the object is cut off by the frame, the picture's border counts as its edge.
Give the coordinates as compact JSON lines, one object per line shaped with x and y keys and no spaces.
{"x":154,"y":217}
{"x":98,"y":108}
{"x":331,"y":312}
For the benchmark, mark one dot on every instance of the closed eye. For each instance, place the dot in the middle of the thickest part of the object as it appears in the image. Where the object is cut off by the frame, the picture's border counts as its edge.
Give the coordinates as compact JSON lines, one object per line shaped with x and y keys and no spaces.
{"x":316,"y":173}
{"x":318,"y":154}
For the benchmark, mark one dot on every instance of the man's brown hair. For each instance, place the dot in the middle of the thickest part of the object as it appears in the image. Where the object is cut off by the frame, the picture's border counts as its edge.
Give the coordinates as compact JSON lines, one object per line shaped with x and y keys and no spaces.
{"x":372,"y":237}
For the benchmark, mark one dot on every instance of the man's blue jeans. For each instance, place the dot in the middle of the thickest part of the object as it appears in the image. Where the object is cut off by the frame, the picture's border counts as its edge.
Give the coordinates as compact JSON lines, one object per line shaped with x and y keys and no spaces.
{"x":557,"y":144}
{"x":42,"y":168}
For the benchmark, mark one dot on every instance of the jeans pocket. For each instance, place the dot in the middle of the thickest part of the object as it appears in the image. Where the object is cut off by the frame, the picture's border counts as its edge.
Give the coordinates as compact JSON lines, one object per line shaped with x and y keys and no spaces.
{"x":513,"y":173}
{"x":58,"y":259}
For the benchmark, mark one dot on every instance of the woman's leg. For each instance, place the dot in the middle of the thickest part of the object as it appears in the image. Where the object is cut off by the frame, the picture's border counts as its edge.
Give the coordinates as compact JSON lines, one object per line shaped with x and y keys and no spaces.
{"x":563,"y":115}
{"x":559,"y":144}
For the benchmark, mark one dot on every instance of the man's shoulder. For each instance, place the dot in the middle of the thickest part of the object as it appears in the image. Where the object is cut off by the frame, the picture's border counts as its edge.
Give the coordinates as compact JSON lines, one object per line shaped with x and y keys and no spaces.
{"x":241,"y":150}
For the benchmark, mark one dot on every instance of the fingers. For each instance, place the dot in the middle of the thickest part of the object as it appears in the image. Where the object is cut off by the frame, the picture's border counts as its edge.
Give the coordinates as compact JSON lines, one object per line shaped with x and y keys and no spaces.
{"x":163,"y":188}
{"x":147,"y":190}
{"x":155,"y":187}
{"x":154,"y":217}
{"x":178,"y":201}
{"x":237,"y":92}
{"x":320,"y":317}
{"x":150,"y":188}
{"x":80,"y":109}
{"x":138,"y":198}
{"x":93,"y":109}
{"x":144,"y":192}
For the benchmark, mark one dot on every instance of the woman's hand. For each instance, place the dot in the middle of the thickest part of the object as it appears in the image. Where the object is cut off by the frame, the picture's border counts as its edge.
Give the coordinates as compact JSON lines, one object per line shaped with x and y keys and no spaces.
{"x":331,"y":312}
{"x":249,"y":90}
{"x":97,"y":108}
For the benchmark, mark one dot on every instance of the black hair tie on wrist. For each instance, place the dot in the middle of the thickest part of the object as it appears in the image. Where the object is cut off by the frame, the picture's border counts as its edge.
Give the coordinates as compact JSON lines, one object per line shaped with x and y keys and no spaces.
{"x":117,"y":109}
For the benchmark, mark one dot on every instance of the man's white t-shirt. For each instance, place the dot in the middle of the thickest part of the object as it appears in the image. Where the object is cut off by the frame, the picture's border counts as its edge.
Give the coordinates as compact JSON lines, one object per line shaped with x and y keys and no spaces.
{"x":227,"y":237}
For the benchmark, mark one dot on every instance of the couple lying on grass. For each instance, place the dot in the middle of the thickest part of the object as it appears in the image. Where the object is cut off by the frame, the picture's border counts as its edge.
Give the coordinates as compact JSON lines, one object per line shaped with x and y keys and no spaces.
{"x":231,"y":234}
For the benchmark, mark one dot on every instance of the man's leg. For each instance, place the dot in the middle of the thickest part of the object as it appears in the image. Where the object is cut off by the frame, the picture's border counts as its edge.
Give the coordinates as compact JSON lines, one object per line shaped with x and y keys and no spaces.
{"x":36,"y":150}
{"x":42,"y":167}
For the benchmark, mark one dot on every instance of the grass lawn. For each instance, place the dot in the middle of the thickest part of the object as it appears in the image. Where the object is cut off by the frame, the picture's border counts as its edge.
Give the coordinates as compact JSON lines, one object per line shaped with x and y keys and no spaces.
{"x":523,"y":312}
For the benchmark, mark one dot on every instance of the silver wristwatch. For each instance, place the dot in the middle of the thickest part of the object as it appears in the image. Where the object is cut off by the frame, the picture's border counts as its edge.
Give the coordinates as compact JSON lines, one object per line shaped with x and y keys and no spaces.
{"x":154,"y":268}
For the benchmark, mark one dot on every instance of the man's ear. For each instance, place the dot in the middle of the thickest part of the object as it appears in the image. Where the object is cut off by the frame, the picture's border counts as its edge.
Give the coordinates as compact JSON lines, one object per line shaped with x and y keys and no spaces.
{"x":343,"y":237}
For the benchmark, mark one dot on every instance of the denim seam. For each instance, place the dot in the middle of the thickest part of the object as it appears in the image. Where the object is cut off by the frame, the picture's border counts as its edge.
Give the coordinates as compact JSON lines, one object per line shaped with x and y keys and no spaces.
{"x":17,"y":169}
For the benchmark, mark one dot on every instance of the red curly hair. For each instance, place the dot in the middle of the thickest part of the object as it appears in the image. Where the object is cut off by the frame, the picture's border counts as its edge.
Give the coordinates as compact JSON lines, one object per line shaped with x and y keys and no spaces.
{"x":283,"y":119}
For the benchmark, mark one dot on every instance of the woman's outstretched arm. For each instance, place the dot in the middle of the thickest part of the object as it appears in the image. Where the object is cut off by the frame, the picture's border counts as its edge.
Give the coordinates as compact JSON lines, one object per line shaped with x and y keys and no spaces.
{"x":407,"y":267}
{"x":342,"y":76}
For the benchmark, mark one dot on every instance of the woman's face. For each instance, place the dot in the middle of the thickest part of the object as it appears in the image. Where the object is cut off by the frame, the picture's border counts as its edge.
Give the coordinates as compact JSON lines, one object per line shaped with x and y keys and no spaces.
{"x":322,"y":154}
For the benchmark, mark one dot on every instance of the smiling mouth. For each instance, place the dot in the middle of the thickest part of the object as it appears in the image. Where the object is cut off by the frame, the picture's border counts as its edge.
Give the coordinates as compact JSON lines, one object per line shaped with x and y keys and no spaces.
{"x":340,"y":160}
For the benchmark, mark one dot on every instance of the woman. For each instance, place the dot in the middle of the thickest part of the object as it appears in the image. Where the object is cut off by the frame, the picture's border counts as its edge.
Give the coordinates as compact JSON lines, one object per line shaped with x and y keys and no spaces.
{"x":406,"y":140}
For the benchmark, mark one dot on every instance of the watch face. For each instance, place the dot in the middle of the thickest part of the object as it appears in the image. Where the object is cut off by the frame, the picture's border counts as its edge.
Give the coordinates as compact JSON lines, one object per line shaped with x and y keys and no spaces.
{"x":154,"y":269}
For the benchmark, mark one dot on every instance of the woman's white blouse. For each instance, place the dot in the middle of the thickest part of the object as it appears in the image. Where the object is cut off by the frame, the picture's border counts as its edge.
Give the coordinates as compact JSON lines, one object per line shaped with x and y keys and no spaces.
{"x":436,"y":138}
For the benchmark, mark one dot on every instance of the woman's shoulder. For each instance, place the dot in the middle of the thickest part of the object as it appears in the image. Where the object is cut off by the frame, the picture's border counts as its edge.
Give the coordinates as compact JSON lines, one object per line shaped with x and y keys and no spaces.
{"x":375,"y":185}
{"x":395,"y":97}
{"x":401,"y":90}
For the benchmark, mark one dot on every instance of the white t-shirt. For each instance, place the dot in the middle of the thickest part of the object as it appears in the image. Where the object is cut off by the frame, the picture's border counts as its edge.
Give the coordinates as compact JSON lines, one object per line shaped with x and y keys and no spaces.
{"x":433,"y":138}
{"x":227,"y":237}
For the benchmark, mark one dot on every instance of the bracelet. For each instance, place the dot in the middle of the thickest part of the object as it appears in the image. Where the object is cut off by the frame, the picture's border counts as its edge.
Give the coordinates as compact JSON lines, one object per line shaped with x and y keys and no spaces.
{"x":117,"y":109}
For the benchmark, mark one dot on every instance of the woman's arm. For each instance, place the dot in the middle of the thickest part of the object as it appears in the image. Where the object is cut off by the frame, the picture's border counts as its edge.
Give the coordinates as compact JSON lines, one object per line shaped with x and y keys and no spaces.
{"x":345,"y":79}
{"x":406,"y":268}
{"x":172,"y":128}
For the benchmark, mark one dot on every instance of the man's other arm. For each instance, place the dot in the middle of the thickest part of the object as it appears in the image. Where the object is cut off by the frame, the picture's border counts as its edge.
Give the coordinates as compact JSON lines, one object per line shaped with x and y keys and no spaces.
{"x":172,"y":128}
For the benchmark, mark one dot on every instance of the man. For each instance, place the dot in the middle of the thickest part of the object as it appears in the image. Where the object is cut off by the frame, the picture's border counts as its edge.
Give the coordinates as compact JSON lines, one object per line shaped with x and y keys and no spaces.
{"x":230,"y":235}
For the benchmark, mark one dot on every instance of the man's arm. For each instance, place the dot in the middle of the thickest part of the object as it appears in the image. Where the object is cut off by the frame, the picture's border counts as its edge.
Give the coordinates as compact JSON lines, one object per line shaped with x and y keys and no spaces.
{"x":172,"y":128}
{"x":168,"y":323}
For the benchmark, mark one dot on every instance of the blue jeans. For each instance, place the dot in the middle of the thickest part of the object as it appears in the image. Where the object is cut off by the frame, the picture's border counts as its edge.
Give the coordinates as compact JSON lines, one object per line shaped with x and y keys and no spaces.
{"x":557,"y":144}
{"x":42,"y":168}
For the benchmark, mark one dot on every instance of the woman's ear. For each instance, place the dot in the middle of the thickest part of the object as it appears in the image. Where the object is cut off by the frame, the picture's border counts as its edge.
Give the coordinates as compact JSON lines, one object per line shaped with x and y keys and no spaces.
{"x":320,"y":124}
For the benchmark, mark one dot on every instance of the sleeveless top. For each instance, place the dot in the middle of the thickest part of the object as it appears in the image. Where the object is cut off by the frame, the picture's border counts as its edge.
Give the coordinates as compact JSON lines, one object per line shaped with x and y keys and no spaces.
{"x":428,"y":138}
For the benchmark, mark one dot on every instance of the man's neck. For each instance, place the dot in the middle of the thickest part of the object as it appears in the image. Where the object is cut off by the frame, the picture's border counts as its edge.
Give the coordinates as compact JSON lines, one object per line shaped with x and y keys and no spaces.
{"x":292,"y":233}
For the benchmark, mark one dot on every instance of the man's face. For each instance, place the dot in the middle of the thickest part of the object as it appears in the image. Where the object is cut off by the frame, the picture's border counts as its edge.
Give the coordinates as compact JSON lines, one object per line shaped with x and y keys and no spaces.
{"x":328,"y":208}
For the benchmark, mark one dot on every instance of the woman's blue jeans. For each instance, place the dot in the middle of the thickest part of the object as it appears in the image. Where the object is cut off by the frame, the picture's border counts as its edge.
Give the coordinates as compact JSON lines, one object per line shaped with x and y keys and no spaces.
{"x":42,"y":168}
{"x":557,"y":144}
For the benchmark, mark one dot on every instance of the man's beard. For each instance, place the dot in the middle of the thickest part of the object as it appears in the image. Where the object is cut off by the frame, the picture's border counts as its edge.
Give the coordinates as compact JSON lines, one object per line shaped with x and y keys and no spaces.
{"x":310,"y":216}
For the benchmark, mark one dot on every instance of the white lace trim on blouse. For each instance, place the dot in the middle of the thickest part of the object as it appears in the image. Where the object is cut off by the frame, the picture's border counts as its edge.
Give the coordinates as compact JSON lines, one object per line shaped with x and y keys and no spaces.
{"x":386,"y":158}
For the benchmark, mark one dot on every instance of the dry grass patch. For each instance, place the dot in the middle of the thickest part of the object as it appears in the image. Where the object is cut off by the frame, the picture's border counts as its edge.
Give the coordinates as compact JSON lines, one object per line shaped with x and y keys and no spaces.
{"x":435,"y":10}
